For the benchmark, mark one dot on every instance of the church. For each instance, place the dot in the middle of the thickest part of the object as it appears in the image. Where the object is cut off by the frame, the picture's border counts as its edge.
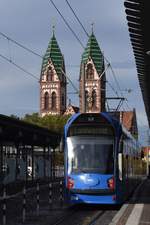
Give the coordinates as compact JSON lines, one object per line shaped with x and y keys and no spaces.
{"x":53,"y":83}
{"x":92,"y":84}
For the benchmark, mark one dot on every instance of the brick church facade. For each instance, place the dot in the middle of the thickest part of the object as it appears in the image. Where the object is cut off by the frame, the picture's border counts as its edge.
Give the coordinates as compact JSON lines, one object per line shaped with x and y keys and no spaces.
{"x":53,"y":85}
{"x":92,"y":78}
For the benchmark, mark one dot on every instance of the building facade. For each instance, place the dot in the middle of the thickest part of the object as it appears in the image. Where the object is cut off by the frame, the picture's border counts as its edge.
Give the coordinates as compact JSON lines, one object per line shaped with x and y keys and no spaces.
{"x":92,"y":78}
{"x":71,"y":109}
{"x":128,"y":120}
{"x":53,"y":83}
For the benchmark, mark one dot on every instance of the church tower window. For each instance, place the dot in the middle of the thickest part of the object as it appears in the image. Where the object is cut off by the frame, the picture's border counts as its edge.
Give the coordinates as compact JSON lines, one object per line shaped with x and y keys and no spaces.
{"x":46,"y":101}
{"x":86,"y":100}
{"x":63,"y":99}
{"x":94,"y":96}
{"x":89,"y":72}
{"x":50,"y":75}
{"x":53,"y":100}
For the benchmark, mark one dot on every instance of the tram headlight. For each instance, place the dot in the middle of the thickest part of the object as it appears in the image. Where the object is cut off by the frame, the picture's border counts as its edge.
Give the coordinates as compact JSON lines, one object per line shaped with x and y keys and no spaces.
{"x":111,"y":183}
{"x":70,"y":183}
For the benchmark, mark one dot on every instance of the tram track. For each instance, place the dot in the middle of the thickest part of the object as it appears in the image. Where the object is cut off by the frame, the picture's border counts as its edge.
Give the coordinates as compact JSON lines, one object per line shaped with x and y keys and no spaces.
{"x":79,"y":217}
{"x":94,"y":220}
{"x":87,"y":215}
{"x":63,"y":218}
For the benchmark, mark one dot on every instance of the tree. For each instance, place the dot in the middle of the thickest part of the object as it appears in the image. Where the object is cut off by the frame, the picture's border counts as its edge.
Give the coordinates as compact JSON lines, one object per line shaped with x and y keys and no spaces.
{"x":52,"y":122}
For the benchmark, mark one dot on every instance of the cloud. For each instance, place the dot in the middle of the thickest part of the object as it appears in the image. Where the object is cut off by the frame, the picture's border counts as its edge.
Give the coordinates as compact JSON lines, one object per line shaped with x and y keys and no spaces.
{"x":123,"y":64}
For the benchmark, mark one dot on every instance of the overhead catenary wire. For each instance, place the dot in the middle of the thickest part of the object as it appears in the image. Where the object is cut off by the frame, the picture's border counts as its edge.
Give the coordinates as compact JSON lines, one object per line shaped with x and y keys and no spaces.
{"x":114,"y":75}
{"x":77,"y":91}
{"x":119,"y":86}
{"x":10,"y":59}
{"x":9,"y":49}
{"x":27,"y":49}
{"x":70,"y":27}
{"x":35,"y":77}
{"x":31,"y":51}
{"x":19,"y":67}
{"x":116,"y":81}
{"x":65,"y":21}
{"x":20,"y":45}
{"x":115,"y":92}
{"x":77,"y":17}
{"x":34,"y":53}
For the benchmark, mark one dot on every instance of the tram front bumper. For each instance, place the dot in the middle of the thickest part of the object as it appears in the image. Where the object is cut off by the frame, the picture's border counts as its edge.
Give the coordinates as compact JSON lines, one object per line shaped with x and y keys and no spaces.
{"x":93,"y":196}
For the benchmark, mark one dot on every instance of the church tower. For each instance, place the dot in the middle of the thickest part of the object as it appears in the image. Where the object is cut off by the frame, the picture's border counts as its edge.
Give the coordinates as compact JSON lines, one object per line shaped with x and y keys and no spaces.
{"x":53,"y":81}
{"x":92,"y":78}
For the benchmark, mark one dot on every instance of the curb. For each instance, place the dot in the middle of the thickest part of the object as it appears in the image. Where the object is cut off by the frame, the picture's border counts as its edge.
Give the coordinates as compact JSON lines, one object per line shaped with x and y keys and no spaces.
{"x":119,"y":214}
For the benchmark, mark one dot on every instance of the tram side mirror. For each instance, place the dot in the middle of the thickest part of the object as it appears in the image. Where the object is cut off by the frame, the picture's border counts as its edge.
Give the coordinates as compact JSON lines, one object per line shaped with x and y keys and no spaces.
{"x":120,"y":165}
{"x":142,"y":154}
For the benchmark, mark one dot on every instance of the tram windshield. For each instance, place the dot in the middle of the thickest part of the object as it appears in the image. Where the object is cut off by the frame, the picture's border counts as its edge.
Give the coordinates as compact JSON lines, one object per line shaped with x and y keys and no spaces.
{"x":90,"y":154}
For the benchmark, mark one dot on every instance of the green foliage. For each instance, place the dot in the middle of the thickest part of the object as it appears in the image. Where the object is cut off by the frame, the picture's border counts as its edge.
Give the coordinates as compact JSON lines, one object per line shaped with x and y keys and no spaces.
{"x":14,"y":116}
{"x":33,"y":118}
{"x":52,"y":122}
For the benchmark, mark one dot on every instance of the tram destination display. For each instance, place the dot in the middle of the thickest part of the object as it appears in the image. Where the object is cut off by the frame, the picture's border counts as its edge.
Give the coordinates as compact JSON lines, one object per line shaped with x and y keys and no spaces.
{"x":92,"y":130}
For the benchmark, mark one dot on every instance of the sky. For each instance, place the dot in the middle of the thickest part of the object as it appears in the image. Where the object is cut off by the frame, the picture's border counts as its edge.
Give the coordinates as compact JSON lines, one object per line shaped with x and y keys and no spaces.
{"x":30,"y":22}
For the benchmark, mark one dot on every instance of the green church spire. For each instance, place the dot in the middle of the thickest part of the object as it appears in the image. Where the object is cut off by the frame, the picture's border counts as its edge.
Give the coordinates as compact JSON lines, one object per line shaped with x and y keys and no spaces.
{"x":54,"y":54}
{"x":93,"y":51}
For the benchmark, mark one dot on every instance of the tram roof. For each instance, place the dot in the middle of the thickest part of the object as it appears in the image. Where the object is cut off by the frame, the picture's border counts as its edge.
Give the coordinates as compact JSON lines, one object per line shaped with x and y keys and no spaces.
{"x":19,"y":132}
{"x":138,"y":15}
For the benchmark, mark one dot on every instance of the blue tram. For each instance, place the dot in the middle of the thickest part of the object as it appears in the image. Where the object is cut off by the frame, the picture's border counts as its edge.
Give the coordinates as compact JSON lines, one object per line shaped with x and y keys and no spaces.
{"x":102,"y":160}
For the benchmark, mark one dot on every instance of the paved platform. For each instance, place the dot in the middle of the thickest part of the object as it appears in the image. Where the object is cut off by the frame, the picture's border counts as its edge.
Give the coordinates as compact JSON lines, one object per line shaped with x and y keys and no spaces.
{"x":137,"y":210}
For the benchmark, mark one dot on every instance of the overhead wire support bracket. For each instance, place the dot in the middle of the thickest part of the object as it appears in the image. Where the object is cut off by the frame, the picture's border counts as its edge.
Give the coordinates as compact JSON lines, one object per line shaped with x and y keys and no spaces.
{"x":77,"y":91}
{"x":107,"y":66}
{"x":117,"y":98}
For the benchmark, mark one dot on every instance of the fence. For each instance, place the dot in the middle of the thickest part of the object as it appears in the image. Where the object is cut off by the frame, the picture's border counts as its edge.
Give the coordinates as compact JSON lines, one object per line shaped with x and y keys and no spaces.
{"x":30,"y":202}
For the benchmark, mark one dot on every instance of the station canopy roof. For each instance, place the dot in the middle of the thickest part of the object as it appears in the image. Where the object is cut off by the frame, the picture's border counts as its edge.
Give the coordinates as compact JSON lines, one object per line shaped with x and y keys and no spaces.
{"x":138,"y":17}
{"x":17,"y":132}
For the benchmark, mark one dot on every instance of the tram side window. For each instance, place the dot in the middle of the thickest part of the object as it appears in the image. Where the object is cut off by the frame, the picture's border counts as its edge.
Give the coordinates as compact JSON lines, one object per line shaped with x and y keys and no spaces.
{"x":126,"y":166}
{"x":121,"y":145}
{"x":125,"y":151}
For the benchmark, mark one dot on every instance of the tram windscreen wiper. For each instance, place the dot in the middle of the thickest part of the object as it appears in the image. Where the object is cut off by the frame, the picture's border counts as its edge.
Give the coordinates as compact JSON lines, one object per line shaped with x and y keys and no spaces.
{"x":82,"y":171}
{"x":78,"y":170}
